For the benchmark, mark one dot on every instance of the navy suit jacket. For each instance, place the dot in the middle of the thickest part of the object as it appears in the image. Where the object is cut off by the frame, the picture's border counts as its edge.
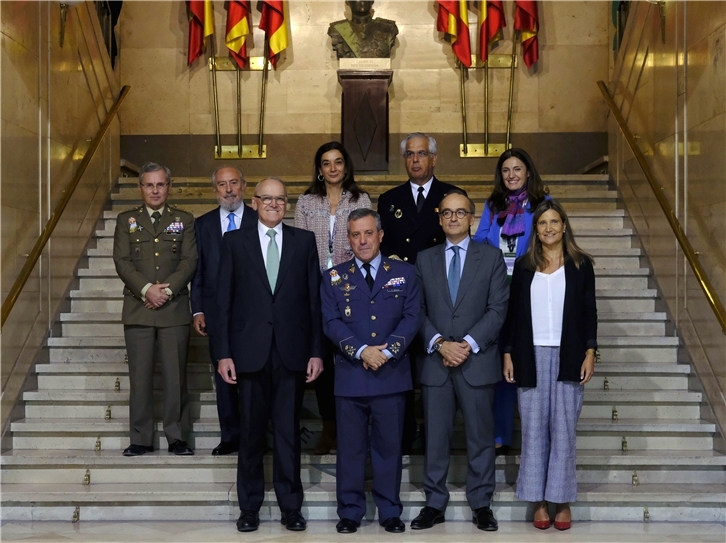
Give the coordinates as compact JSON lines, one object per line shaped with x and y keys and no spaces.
{"x":252,"y":319}
{"x":204,"y":282}
{"x":408,"y":232}
{"x":354,"y":315}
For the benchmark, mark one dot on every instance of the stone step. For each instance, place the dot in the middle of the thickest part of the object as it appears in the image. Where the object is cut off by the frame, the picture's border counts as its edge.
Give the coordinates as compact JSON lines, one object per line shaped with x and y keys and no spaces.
{"x":218,"y":501}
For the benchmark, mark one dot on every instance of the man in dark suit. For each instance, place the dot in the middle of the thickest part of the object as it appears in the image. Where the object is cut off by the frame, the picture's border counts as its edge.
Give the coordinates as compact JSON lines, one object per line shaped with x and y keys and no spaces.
{"x":232,"y":214}
{"x":408,"y":216}
{"x":155,"y":254}
{"x":465,"y":295}
{"x":408,"y":211}
{"x":371,"y":313}
{"x":269,"y":341}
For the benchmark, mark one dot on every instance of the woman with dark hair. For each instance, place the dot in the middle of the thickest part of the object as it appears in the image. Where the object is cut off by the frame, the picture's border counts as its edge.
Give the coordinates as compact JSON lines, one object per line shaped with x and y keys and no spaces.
{"x":549,"y":341}
{"x":324,"y":209}
{"x":507,"y":223}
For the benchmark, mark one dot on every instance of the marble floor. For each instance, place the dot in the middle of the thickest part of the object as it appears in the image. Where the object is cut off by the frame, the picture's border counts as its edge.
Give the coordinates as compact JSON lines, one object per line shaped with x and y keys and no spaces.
{"x":458,"y":532}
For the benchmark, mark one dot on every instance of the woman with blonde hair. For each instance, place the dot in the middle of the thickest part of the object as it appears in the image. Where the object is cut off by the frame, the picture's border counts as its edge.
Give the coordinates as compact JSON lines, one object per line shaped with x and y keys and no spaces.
{"x":549,"y":343}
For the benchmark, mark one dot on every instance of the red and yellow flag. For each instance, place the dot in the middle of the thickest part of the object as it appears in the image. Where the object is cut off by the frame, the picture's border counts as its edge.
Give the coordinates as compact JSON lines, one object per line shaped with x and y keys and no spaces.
{"x":453,"y":20}
{"x":274,"y":22}
{"x":491,"y":23}
{"x":201,"y":25}
{"x":527,"y":22}
{"x":238,"y":28}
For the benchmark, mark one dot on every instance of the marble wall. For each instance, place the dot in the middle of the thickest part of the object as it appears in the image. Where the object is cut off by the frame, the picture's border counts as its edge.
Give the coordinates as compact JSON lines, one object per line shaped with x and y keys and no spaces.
{"x":556,"y":96}
{"x":53,"y":101}
{"x":672,"y":90}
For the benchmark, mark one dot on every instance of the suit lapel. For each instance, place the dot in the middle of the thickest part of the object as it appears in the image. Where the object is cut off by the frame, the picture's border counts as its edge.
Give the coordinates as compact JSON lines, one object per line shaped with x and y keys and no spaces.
{"x":288,"y":254}
{"x":439,"y":263}
{"x":252,"y":245}
{"x":142,"y":217}
{"x":382,"y":277}
{"x":471,"y":264}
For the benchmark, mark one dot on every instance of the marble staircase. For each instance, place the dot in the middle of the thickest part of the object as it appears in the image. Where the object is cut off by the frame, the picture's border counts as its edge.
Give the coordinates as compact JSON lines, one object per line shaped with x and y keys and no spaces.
{"x":644,"y":453}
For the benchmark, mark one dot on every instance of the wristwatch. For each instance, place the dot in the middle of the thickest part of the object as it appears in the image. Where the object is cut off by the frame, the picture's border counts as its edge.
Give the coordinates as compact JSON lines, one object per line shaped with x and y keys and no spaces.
{"x":438,"y":344}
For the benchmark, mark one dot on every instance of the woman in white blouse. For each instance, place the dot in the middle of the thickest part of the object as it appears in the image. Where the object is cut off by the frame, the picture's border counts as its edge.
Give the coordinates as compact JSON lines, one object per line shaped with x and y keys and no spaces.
{"x":324,"y":209}
{"x":549,"y":341}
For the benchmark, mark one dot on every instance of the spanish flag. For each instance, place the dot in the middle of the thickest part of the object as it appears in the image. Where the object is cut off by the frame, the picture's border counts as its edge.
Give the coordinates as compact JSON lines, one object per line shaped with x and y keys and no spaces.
{"x":526,"y":21}
{"x":491,"y":23}
{"x":274,"y":22}
{"x":238,"y":28}
{"x":201,"y":25}
{"x":453,"y":20}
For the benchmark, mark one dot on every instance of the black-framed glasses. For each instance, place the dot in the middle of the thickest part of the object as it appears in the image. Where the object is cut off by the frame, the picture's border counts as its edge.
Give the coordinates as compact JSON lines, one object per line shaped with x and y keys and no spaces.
{"x":420,"y":154}
{"x":448,"y":213}
{"x":267,"y":200}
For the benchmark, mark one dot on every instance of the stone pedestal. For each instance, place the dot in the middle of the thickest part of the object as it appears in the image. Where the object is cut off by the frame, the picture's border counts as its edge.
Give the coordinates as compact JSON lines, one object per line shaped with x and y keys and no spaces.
{"x":364,"y":119}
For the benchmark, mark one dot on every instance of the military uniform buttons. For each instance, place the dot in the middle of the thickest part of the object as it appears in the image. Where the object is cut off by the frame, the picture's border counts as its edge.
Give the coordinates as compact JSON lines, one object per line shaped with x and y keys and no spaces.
{"x":373,"y":334}
{"x":396,"y":296}
{"x":408,"y":240}
{"x":373,"y":301}
{"x":156,"y":241}
{"x":373,"y":317}
{"x":434,"y":240}
{"x":156,"y":254}
{"x":137,"y":240}
{"x":157,"y":268}
{"x":405,"y":259}
{"x":158,"y":282}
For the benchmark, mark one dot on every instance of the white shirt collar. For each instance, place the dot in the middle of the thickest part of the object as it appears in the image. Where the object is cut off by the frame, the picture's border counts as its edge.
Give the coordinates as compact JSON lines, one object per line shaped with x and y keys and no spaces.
{"x":426,"y":186}
{"x":262,"y":229}
{"x":223,"y":213}
{"x":463,"y":244}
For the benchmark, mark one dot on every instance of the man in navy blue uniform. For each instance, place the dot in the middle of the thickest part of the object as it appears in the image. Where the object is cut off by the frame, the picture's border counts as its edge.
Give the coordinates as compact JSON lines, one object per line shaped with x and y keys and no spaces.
{"x":371,"y":313}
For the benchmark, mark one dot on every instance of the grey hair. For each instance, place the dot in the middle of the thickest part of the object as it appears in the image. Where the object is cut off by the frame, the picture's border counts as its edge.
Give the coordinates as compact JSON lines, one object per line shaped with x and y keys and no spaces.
{"x":239,"y":172}
{"x":273,"y":179}
{"x":432,"y":142}
{"x":362,"y":213}
{"x":153,"y":167}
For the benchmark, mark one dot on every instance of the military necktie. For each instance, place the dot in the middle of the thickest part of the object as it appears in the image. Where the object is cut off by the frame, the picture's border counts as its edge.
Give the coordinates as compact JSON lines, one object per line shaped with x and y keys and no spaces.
{"x":156,"y":217}
{"x":369,"y":275}
{"x":420,"y":199}
{"x":273,"y":259}
{"x":454,"y":274}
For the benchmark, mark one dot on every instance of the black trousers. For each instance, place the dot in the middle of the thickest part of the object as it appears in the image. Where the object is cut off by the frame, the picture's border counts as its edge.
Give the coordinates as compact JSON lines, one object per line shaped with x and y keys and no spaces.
{"x":227,"y":402}
{"x":325,"y":384}
{"x":273,"y":393}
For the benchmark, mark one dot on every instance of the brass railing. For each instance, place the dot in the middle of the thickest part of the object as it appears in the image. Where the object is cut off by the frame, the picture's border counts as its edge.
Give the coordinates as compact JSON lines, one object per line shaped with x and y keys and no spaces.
{"x":55,"y":216}
{"x":686,"y":247}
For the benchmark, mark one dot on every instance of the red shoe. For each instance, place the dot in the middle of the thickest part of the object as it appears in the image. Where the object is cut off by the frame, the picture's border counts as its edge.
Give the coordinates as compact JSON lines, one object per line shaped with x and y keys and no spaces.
{"x":565,"y":525}
{"x":542,"y":524}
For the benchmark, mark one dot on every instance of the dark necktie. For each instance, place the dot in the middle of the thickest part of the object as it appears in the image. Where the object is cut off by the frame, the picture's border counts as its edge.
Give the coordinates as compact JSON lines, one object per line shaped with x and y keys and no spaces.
{"x":369,"y":275}
{"x":454,"y":274}
{"x":156,"y":217}
{"x":420,"y":199}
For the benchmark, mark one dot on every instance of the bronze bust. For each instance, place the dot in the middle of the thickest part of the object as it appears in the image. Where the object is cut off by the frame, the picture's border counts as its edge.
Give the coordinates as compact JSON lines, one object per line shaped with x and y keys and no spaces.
{"x":363,"y":36}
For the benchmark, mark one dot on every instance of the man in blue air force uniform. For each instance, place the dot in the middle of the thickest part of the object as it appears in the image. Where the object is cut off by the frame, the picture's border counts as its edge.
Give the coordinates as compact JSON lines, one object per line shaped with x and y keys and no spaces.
{"x":371,"y":313}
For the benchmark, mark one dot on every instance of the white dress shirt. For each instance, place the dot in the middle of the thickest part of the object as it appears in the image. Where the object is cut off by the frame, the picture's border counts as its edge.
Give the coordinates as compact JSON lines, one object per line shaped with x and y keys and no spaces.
{"x":548,"y":301}
{"x":426,"y":188}
{"x":448,"y":255}
{"x":265,"y":239}
{"x":224,"y":221}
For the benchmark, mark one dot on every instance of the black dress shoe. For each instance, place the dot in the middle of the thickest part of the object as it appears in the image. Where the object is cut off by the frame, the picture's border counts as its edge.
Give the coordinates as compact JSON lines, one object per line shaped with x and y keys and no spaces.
{"x":427,"y":518}
{"x":137,"y":450}
{"x":248,"y":521}
{"x":347,"y":526}
{"x":484,"y":520}
{"x":225,"y":447}
{"x":293,"y":520}
{"x":394,"y":525}
{"x":180,"y":448}
{"x":501,"y":451}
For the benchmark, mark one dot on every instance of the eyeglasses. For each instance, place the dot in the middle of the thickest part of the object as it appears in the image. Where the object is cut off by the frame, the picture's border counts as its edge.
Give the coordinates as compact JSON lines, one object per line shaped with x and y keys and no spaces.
{"x":267,"y":200}
{"x":460,"y":213}
{"x":151,"y":186}
{"x":421,"y":154}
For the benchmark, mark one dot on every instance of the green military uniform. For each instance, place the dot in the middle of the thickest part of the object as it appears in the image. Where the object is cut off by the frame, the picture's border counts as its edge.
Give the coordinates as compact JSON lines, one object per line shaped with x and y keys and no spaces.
{"x":143,"y":254}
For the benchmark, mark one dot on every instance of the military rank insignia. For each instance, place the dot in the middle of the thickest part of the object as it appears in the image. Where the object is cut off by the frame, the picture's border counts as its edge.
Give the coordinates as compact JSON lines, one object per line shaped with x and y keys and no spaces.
{"x":350,"y":350}
{"x":352,"y":268}
{"x":133,"y":227}
{"x":395,"y":347}
{"x":386,"y":266}
{"x":334,"y":278}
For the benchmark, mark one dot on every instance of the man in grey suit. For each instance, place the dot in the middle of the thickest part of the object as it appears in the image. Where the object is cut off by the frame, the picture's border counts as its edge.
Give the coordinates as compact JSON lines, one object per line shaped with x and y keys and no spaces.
{"x":465,"y":302}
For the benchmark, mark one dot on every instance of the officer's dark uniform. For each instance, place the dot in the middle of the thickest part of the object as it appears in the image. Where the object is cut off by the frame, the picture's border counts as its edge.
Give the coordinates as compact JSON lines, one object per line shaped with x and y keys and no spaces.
{"x":355,"y":315}
{"x":166,"y":254}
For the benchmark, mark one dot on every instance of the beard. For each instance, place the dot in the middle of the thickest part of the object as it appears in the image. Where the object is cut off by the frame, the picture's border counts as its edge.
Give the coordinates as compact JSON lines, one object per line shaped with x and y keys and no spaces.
{"x":229,"y":206}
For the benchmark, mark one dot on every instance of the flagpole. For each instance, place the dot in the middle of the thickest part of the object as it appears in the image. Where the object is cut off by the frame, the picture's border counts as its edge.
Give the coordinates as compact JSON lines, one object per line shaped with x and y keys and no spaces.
{"x":486,"y":107}
{"x":214,"y":92}
{"x":262,"y":96}
{"x":511,"y":88}
{"x":462,"y":69}
{"x":239,"y":111}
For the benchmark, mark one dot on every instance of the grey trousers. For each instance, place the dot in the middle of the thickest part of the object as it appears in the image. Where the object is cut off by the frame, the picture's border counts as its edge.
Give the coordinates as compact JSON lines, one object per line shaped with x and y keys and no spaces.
{"x":549,"y":413}
{"x":440,"y":405}
{"x":169,"y":346}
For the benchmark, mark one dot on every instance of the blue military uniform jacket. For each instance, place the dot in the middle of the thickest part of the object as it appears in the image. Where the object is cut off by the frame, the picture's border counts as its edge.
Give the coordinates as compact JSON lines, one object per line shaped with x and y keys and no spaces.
{"x":354,"y":315}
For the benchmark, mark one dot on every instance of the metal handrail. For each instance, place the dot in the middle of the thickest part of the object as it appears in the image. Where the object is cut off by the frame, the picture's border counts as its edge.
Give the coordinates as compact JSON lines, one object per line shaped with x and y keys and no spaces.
{"x":688,"y":251}
{"x":40,"y":243}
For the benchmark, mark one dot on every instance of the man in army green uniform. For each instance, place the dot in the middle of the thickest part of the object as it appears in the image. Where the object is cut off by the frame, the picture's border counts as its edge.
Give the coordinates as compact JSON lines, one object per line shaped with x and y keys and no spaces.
{"x":155,"y":253}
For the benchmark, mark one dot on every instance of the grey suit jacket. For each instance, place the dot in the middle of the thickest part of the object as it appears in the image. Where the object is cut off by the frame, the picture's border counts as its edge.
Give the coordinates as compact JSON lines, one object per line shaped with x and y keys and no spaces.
{"x":479,"y":311}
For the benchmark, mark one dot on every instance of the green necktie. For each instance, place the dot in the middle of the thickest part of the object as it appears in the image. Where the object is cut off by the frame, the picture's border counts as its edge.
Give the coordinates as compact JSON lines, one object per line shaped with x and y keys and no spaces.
{"x":156,"y":217}
{"x":273,"y":259}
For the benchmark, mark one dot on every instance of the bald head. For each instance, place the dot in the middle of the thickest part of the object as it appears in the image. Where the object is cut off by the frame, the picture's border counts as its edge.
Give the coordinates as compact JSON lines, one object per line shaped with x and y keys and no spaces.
{"x":270,"y":201}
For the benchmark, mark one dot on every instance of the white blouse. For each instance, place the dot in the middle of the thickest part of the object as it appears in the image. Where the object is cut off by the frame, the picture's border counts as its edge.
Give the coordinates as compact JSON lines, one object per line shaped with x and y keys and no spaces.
{"x":548,"y":300}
